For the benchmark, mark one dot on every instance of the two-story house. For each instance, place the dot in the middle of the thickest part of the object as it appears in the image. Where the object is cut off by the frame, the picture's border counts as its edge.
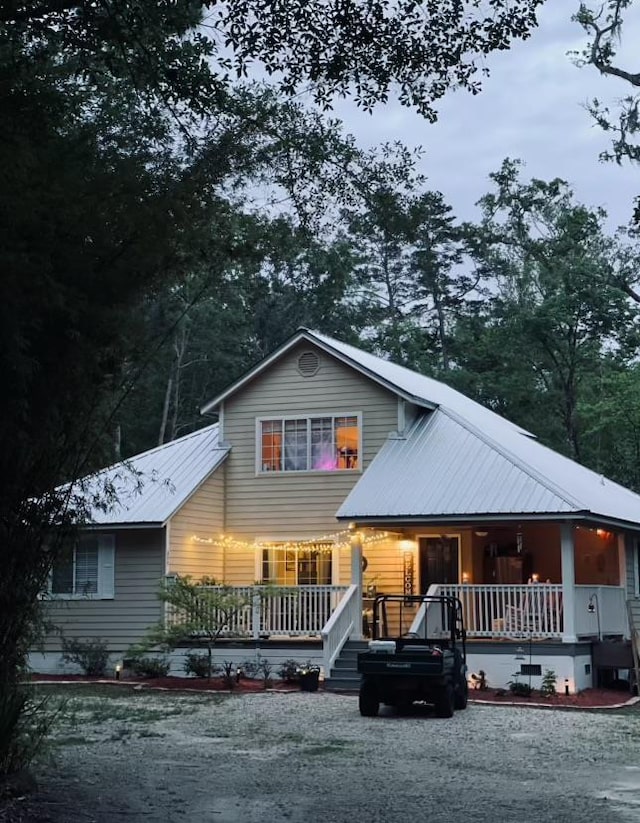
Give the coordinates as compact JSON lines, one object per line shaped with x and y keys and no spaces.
{"x":335,"y":474}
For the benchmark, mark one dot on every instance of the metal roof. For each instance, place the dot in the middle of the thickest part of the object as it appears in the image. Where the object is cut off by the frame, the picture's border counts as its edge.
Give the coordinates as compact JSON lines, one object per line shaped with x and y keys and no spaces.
{"x":152,"y":486}
{"x":421,"y":389}
{"x":418,"y":388}
{"x":447,"y":466}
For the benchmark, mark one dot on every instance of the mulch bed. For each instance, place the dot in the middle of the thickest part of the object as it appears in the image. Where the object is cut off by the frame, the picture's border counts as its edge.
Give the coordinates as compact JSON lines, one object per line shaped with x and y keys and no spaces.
{"x":587,"y":699}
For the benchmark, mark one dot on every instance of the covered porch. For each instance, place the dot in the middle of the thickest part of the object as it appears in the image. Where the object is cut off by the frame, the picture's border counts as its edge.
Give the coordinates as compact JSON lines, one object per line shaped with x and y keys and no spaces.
{"x":555,"y":582}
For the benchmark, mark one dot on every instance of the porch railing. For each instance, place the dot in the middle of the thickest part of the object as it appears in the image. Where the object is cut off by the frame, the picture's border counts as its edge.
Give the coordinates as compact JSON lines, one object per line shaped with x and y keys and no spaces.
{"x":343,"y":623}
{"x":534,"y":610}
{"x":291,"y":611}
{"x":608,"y":613}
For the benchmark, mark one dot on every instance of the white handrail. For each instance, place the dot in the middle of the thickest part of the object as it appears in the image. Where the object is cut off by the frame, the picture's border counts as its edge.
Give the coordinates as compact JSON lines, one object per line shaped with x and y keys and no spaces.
{"x":417,"y":627}
{"x":339,"y":627}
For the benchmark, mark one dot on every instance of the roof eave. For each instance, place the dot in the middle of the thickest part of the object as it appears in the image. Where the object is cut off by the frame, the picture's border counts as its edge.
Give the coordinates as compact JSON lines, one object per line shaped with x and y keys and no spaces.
{"x":472,"y":519}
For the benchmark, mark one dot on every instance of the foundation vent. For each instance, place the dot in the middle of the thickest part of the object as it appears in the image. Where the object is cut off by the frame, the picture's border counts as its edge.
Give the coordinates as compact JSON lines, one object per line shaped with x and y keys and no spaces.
{"x":308,"y":363}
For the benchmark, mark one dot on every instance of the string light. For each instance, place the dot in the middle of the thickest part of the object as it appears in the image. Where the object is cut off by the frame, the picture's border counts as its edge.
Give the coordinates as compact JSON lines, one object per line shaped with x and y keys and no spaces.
{"x":325,"y":543}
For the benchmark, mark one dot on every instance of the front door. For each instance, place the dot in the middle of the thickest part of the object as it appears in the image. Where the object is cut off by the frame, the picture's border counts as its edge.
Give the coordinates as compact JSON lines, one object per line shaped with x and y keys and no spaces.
{"x":438,"y":561}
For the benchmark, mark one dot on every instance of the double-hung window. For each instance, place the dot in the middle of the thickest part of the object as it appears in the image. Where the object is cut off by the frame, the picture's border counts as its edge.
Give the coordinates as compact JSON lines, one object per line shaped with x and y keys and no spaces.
{"x":85,"y":568}
{"x":322,"y":443}
{"x":299,"y":566}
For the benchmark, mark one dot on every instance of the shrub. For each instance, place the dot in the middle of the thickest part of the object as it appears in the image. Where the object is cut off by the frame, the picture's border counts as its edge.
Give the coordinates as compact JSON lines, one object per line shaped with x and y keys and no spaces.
{"x":230,"y":674}
{"x":259,"y":668}
{"x":517,"y":688}
{"x":198,"y":665}
{"x":91,"y":655}
{"x":150,"y":667}
{"x":24,"y":724}
{"x":549,"y":679}
{"x":289,"y":670}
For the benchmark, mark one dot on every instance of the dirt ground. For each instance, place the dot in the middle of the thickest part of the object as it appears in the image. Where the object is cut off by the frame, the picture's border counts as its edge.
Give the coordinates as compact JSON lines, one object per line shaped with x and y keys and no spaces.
{"x":124,"y":754}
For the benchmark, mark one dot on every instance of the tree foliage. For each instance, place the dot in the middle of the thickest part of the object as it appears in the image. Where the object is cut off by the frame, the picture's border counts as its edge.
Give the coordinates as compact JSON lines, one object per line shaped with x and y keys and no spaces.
{"x":555,"y":311}
{"x":604,"y":26}
{"x":127,"y":159}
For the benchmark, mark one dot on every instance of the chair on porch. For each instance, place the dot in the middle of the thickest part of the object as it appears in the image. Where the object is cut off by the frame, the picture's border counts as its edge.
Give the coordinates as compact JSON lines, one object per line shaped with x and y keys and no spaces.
{"x":538,"y":613}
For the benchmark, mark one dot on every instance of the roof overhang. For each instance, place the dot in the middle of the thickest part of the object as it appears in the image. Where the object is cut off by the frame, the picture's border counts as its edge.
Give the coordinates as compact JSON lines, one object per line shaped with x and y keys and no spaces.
{"x":121,"y":526}
{"x":308,"y":336}
{"x":388,"y":524}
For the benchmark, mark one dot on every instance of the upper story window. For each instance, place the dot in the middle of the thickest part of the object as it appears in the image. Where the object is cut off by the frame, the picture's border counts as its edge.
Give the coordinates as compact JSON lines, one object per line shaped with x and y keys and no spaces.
{"x":85,"y":568}
{"x":326,"y":443}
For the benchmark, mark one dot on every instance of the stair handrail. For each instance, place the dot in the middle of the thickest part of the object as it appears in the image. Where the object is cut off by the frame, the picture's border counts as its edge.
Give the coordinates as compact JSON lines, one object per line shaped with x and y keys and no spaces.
{"x":339,"y":627}
{"x":421,"y":615}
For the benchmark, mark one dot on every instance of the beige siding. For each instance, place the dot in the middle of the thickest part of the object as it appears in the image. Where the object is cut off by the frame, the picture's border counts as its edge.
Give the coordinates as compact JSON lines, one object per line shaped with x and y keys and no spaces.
{"x":295,"y":505}
{"x":200,"y":520}
{"x":139,"y":566}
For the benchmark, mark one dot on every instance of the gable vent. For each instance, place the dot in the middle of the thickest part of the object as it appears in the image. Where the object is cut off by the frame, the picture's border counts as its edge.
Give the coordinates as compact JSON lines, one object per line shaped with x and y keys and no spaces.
{"x":308,"y":363}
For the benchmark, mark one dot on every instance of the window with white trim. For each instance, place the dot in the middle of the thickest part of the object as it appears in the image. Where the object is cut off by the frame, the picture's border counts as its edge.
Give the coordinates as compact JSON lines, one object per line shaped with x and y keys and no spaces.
{"x":85,"y":568}
{"x":286,"y":565}
{"x":323,"y":443}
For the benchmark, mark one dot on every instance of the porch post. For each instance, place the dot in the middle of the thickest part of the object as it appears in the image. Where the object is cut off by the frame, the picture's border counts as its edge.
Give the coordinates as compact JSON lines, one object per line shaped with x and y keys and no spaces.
{"x":622,"y":564}
{"x":356,"y":580}
{"x":567,"y":546}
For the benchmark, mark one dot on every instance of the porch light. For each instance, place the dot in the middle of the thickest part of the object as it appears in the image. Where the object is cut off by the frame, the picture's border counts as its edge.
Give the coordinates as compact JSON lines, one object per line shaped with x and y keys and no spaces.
{"x":481,"y":534}
{"x":520,"y":653}
{"x":406,"y":545}
{"x":465,"y":577}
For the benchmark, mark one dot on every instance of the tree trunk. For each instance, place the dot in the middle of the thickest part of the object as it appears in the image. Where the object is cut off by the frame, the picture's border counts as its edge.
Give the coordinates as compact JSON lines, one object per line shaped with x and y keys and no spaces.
{"x":165,"y":411}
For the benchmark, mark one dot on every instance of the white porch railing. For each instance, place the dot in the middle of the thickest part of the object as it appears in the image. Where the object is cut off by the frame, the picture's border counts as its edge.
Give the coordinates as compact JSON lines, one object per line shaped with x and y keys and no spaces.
{"x":345,"y":621}
{"x":510,"y":611}
{"x":537,"y":610}
{"x":609,"y":615}
{"x":292,"y":611}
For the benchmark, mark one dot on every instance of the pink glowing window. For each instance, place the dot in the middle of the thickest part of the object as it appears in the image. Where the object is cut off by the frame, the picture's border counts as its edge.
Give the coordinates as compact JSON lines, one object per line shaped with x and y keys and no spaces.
{"x":329,"y":443}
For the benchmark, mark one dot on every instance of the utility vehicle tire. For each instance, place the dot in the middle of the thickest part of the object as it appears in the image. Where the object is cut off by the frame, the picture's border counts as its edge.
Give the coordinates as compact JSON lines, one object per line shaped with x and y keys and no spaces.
{"x":445,"y":702}
{"x":461,"y":694}
{"x":368,"y":700}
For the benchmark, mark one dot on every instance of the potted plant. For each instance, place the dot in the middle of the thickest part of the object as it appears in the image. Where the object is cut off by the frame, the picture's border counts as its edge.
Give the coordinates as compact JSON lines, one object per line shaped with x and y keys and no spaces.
{"x":309,"y":677}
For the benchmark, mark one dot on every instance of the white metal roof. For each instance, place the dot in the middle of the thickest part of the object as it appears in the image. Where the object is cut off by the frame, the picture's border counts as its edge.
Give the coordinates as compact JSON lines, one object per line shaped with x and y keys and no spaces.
{"x":152,"y":486}
{"x":419,"y":389}
{"x":448,"y":466}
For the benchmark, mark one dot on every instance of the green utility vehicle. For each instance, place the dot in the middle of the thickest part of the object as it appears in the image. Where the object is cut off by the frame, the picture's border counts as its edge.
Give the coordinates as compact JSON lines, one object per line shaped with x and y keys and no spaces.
{"x":428,"y":664}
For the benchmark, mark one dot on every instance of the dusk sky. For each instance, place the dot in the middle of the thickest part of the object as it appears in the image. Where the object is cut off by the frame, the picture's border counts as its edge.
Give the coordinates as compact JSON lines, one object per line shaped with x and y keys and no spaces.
{"x":532,"y":107}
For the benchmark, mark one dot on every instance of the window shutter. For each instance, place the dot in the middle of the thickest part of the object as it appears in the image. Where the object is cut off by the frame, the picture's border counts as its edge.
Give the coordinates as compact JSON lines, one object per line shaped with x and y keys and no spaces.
{"x":106,"y":566}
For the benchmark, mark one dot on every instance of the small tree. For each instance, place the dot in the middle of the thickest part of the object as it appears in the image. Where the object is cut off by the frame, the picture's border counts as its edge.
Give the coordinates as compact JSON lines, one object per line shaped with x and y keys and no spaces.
{"x":202,"y":609}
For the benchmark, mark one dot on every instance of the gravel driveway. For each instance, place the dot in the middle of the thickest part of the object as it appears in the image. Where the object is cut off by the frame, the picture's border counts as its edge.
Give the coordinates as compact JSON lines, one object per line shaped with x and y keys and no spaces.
{"x":311,"y":757}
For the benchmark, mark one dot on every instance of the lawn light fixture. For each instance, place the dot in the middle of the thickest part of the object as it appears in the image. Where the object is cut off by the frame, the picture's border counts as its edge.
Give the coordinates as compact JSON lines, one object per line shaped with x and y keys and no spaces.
{"x":118,"y":670}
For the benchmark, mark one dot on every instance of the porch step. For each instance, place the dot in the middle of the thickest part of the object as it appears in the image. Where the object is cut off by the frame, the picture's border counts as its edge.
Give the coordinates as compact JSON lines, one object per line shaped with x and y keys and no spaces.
{"x":344,"y":675}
